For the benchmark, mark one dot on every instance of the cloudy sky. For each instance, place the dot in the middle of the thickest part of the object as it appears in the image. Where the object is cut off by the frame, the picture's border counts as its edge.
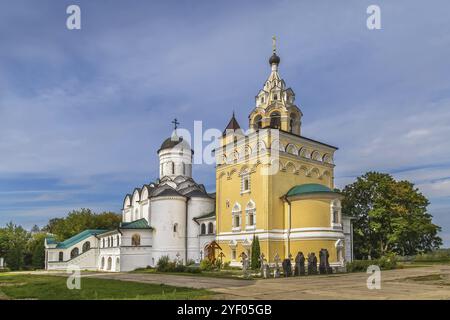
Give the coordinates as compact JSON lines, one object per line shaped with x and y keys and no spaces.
{"x":83,"y":112}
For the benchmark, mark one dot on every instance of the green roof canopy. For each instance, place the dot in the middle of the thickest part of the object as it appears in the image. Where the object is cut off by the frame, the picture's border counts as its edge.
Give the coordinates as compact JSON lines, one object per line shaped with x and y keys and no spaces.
{"x":138,"y":224}
{"x":309,"y":188}
{"x":76,"y":238}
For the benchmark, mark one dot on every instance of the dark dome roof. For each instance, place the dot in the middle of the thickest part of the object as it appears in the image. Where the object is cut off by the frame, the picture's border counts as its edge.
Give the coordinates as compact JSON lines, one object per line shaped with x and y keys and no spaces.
{"x":169,"y":143}
{"x":274,"y":59}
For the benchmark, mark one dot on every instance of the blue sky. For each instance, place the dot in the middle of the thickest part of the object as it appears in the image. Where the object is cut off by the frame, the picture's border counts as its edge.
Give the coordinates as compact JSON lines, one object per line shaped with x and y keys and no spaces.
{"x":82,"y":113}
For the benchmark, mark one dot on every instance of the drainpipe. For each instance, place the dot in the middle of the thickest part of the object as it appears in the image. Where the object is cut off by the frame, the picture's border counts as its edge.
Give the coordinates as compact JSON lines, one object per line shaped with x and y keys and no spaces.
{"x":285,"y":198}
{"x":186,"y":233}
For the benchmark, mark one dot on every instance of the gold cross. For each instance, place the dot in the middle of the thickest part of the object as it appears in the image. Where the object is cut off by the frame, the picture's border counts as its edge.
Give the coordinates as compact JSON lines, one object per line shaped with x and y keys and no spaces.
{"x":274,"y":44}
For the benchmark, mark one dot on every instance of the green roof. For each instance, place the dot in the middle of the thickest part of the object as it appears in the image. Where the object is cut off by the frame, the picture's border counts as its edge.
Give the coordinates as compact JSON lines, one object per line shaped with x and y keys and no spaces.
{"x":138,"y":224}
{"x":77,"y":238}
{"x":208,"y":215}
{"x":308,"y":188}
{"x":50,"y":239}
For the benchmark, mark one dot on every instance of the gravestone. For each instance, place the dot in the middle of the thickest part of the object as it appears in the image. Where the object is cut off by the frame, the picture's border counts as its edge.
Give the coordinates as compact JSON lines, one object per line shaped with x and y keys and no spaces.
{"x":300,"y":264}
{"x":178,"y":260}
{"x":287,"y":267}
{"x":324,"y":266}
{"x":245,"y":264}
{"x":312,"y":263}
{"x":261,"y":263}
{"x":276,"y":271}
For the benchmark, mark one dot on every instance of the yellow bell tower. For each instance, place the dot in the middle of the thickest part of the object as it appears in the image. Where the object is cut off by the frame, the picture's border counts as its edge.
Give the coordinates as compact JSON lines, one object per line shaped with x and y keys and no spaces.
{"x":274,"y":183}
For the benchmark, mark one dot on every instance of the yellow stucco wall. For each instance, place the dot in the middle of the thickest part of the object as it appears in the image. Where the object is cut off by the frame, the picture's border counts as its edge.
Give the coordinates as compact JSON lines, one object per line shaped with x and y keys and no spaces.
{"x":267,"y":192}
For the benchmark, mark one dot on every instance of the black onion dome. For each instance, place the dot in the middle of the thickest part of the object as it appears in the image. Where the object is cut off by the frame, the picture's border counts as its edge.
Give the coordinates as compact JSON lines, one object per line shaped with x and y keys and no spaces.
{"x":274,"y":59}
{"x":170,"y":142}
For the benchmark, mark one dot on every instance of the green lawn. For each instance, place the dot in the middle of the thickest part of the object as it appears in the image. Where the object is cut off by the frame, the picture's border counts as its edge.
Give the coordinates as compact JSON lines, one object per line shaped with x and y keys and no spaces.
{"x":230,"y":274}
{"x":43,"y":287}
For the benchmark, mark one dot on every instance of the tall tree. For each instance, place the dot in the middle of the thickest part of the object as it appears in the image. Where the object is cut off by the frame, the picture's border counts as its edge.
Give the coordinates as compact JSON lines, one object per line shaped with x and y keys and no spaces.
{"x":79,"y":220}
{"x":390,"y":216}
{"x":256,"y":252}
{"x":13,"y":245}
{"x":36,"y":248}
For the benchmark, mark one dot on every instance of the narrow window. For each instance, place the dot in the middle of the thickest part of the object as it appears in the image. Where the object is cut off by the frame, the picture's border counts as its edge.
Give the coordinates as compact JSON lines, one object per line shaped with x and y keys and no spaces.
{"x":61,"y":256}
{"x":210,"y":228}
{"x":136,"y":240}
{"x":175,"y":227}
{"x":203,"y":229}
{"x":233,"y":254}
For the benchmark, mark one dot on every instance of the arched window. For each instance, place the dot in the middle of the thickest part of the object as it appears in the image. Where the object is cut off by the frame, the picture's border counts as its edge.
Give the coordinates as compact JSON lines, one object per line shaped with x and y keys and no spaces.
{"x":136,"y":240}
{"x":236,"y":214}
{"x":103,"y":263}
{"x":109,"y":242}
{"x":258,"y":122}
{"x":86,"y":246}
{"x":210,"y":228}
{"x":118,"y":240}
{"x":109,"y":263}
{"x":172,"y":168}
{"x":250,"y":212}
{"x":275,"y":120}
{"x":203,"y":229}
{"x":74,"y":253}
{"x":103,"y":242}
{"x":61,"y":256}
{"x":184,"y":168}
{"x":175,"y":227}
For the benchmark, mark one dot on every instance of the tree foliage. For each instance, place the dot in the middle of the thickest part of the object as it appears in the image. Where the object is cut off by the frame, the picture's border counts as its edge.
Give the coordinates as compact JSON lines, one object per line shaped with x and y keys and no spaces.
{"x":389,"y":217}
{"x":26,"y":249}
{"x":13,"y":245}
{"x":79,"y":220}
{"x":256,"y":252}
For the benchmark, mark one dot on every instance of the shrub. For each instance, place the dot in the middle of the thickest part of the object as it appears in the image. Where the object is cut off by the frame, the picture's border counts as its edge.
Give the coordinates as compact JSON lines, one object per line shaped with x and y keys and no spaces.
{"x":191,"y":269}
{"x":385,"y":263}
{"x":6,"y":269}
{"x":206,"y":265}
{"x":163,"y":264}
{"x":440,"y":255}
{"x":190,"y":262}
{"x":226,"y":265}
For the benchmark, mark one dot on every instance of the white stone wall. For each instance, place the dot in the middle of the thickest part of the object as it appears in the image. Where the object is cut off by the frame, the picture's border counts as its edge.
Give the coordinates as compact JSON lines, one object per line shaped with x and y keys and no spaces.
{"x":166,"y":211}
{"x":177,"y":159}
{"x":196,"y":207}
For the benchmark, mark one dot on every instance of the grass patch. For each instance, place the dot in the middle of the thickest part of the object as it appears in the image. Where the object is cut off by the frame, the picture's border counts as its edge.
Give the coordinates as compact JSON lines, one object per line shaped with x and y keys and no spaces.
{"x":229,"y":274}
{"x":437,"y":279}
{"x":45,"y":287}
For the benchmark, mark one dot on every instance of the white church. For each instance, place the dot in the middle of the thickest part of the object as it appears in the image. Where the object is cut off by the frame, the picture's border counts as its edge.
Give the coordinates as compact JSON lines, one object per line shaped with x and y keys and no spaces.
{"x":172,"y":216}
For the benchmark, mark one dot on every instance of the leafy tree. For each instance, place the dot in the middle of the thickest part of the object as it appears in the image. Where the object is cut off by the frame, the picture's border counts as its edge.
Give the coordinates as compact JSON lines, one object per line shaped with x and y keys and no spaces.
{"x":36,"y":248}
{"x":390,"y":216}
{"x":79,"y":220}
{"x":13,"y":245}
{"x":256,"y":252}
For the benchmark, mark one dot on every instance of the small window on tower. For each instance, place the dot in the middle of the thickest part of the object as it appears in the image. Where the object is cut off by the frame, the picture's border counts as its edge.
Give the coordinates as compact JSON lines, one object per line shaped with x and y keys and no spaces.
{"x":275,"y":97}
{"x":175,"y":227}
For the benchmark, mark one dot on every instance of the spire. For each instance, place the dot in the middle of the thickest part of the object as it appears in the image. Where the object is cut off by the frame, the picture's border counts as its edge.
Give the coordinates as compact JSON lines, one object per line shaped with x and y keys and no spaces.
{"x":232,"y":125}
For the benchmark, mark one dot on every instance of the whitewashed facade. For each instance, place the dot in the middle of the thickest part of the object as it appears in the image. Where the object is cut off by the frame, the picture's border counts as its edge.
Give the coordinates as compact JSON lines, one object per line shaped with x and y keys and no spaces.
{"x":172,"y":216}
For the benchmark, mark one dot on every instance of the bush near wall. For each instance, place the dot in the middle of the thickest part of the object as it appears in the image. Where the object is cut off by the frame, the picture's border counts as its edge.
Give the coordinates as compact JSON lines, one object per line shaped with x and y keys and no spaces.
{"x":440,"y":255}
{"x":385,"y":263}
{"x":165,"y":265}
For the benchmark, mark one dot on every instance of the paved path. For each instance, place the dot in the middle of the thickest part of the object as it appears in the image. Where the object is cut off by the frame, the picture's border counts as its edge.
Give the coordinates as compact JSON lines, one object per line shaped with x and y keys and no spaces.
{"x":394,"y":285}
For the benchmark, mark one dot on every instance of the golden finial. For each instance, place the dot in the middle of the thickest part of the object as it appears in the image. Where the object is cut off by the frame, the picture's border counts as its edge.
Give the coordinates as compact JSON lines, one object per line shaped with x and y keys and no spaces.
{"x":274,"y":44}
